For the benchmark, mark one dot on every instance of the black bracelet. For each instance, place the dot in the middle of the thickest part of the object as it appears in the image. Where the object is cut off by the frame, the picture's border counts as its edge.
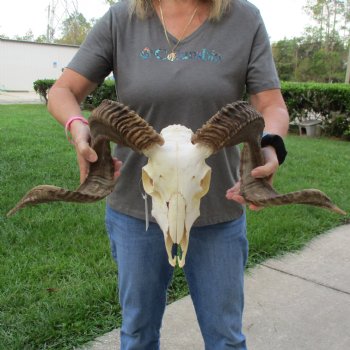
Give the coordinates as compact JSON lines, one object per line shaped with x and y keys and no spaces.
{"x":277,"y":143}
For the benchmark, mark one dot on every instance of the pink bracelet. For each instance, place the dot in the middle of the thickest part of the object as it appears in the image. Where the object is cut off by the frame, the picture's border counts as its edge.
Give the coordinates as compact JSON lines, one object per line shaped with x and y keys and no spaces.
{"x":70,"y":121}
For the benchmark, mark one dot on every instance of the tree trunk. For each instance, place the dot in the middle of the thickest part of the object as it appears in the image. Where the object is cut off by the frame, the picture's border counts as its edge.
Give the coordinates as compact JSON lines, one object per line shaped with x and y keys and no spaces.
{"x":347,"y":75}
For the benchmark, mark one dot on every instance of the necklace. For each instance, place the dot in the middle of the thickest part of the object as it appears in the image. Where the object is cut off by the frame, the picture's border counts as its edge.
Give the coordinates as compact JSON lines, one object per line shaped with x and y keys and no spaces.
{"x":172,"y":55}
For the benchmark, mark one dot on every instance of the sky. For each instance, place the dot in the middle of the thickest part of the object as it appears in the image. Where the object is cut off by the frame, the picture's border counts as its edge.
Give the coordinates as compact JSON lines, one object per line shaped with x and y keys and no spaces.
{"x":283,"y":18}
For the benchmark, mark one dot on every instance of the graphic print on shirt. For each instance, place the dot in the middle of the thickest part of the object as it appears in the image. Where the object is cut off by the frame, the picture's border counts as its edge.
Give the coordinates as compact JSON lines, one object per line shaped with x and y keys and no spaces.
{"x":204,"y":55}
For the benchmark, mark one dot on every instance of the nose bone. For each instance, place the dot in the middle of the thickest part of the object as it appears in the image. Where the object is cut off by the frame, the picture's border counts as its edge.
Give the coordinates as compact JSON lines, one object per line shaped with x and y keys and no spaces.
{"x":176,"y":217}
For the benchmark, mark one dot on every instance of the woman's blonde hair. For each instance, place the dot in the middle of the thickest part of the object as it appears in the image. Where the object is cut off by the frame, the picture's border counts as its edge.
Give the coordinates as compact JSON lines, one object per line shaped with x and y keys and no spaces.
{"x":143,"y":8}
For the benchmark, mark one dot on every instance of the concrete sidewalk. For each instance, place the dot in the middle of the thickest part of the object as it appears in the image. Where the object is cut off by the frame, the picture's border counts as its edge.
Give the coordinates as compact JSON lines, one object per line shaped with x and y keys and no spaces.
{"x":18,"y":97}
{"x":298,"y":302}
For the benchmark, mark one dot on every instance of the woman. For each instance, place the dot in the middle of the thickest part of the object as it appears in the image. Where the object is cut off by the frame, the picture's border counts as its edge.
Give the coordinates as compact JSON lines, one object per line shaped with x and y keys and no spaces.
{"x":177,"y":62}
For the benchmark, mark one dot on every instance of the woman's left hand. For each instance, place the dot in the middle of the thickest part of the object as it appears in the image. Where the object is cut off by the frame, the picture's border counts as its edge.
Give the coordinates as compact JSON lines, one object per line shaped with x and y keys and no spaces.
{"x":266,"y":171}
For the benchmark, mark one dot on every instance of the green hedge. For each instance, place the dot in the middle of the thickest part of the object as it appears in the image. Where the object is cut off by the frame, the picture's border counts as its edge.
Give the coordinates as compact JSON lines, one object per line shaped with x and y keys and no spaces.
{"x":328,"y":102}
{"x":106,"y":90}
{"x":102,"y":92}
{"x":42,"y":87}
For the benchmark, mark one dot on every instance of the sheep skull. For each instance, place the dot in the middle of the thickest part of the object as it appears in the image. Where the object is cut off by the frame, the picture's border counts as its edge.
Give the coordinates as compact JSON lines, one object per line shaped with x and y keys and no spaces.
{"x":176,"y":177}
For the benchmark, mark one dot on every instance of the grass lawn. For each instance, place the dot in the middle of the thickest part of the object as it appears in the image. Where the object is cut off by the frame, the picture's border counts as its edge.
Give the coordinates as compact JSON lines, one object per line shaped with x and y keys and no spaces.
{"x":57,"y":278}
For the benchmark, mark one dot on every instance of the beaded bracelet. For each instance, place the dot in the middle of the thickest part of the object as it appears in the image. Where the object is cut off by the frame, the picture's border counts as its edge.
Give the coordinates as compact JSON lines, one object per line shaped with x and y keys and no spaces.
{"x":70,"y":121}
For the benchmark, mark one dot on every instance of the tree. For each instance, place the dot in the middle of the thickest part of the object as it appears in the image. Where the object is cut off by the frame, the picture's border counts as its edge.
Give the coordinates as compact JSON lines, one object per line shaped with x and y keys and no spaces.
{"x":29,"y":36}
{"x":321,"y":66}
{"x":74,"y":29}
{"x":320,"y":55}
{"x":41,"y":39}
{"x":347,"y":74}
{"x":306,"y":59}
{"x":332,"y":18}
{"x":286,"y":55}
{"x":111,"y":2}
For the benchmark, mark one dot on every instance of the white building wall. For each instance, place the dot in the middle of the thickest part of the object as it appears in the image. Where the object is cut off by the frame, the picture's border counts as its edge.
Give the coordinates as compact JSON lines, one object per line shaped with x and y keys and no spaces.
{"x":21,"y":63}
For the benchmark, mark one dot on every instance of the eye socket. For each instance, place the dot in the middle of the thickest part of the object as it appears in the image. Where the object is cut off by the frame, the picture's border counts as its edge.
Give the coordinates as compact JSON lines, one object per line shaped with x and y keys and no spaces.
{"x":147,"y":181}
{"x":148,"y":185}
{"x":205,"y":183}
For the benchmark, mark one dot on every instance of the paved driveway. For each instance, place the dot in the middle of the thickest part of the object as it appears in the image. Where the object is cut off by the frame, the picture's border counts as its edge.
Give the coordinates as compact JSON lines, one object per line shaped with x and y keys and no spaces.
{"x":19,"y":97}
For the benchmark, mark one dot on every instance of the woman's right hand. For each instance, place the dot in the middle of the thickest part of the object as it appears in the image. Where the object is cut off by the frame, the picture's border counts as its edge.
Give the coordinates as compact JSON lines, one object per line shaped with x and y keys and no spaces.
{"x":85,"y":154}
{"x":72,"y":88}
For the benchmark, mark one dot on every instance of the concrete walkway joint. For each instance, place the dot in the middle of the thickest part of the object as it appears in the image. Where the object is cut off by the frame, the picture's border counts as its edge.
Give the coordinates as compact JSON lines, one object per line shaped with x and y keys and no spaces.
{"x":298,"y":302}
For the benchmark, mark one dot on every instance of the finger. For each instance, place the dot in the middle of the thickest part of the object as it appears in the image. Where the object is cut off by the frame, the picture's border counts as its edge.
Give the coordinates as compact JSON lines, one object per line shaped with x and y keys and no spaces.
{"x":84,"y":149}
{"x":233,"y":193}
{"x":255,"y":207}
{"x":235,"y":189}
{"x":117,"y":167}
{"x":265,"y":170}
{"x":117,"y":163}
{"x":236,"y":198}
{"x":239,"y":199}
{"x":84,"y":167}
{"x":270,"y":166}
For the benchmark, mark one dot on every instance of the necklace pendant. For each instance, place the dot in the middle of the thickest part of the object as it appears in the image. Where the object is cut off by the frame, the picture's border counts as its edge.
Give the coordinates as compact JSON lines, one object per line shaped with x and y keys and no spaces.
{"x":171,"y":56}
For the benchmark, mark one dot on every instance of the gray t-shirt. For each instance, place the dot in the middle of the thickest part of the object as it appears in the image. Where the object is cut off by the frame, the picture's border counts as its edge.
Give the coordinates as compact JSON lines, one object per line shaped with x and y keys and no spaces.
{"x":215,"y":65}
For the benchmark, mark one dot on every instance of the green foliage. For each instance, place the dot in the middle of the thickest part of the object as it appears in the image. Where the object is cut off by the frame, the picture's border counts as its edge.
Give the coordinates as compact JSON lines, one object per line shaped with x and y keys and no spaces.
{"x":29,"y":36}
{"x":322,"y":66}
{"x":319,"y":55}
{"x":42,"y":87}
{"x":338,"y":126}
{"x":74,"y":29}
{"x":331,"y":103}
{"x":332,"y":19}
{"x":106,"y":90}
{"x":41,"y":38}
{"x":57,"y":277}
{"x":321,"y":98}
{"x":286,"y":58}
{"x":306,"y":59}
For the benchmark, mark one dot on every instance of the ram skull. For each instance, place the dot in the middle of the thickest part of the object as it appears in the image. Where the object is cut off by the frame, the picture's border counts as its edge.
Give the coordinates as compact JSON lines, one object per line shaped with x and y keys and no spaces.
{"x":176,"y":175}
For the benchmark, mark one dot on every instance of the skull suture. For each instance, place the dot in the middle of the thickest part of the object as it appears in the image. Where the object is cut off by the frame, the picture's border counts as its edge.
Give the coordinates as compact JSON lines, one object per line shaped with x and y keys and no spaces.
{"x":176,"y":177}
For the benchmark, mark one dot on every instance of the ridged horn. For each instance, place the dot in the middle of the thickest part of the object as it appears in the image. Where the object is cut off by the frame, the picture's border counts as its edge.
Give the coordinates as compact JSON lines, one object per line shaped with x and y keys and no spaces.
{"x":111,"y":121}
{"x":235,"y":123}
{"x":259,"y":192}
{"x":239,"y":122}
{"x":118,"y":123}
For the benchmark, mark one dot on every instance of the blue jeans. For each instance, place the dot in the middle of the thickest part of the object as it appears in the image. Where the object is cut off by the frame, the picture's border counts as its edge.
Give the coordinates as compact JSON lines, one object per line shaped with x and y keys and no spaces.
{"x":214,"y":271}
